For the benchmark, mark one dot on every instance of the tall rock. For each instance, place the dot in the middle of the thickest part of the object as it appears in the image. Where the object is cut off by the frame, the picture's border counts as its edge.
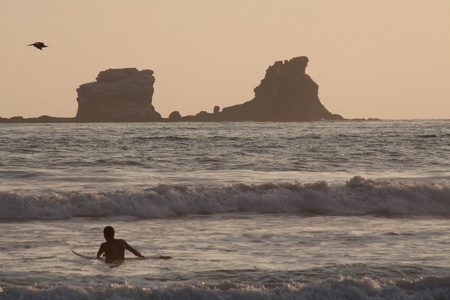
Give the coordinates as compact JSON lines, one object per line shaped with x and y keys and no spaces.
{"x":285,"y":94}
{"x":118,"y":95}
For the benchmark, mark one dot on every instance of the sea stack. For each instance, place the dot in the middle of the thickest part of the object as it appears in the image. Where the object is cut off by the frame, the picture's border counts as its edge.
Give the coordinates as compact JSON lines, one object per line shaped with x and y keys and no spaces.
{"x":118,"y":95}
{"x":286,"y":93}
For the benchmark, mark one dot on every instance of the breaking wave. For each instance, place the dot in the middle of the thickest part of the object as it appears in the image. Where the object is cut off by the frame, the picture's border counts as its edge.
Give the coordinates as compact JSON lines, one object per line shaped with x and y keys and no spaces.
{"x":356,"y":197}
{"x":348,"y":288}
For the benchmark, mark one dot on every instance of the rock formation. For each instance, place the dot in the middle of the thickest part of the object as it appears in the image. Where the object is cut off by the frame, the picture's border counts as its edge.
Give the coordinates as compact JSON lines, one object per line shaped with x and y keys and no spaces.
{"x":285,"y":94}
{"x":118,"y":95}
{"x":175,"y":116}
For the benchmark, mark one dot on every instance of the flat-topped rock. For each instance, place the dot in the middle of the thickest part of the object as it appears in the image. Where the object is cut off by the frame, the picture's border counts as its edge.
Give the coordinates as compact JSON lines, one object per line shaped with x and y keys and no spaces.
{"x":118,"y":95}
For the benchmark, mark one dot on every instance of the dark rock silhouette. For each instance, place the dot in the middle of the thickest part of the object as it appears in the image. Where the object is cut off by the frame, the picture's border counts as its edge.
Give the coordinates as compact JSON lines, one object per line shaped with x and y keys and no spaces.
{"x":285,"y":94}
{"x":175,"y":116}
{"x":118,"y":95}
{"x":41,"y":119}
{"x":38,"y":45}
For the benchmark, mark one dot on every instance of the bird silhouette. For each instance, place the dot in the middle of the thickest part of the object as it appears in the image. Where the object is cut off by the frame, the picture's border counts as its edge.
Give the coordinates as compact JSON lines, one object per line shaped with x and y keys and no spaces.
{"x":38,"y":45}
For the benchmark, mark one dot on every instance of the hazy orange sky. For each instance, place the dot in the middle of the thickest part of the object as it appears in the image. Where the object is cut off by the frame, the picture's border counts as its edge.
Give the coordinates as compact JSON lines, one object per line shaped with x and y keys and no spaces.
{"x":387,"y":58}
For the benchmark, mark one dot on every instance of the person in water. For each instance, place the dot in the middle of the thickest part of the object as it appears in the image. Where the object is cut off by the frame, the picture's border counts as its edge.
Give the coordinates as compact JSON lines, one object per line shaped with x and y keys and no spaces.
{"x":114,"y":249}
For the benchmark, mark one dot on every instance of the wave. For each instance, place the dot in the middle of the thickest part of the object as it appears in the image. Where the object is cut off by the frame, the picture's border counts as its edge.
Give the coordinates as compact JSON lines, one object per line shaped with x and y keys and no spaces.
{"x":356,"y":197}
{"x":347,"y":288}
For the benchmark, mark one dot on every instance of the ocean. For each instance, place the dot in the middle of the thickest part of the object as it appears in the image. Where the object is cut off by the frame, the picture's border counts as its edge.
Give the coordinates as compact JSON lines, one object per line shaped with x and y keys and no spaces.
{"x":246,"y":210}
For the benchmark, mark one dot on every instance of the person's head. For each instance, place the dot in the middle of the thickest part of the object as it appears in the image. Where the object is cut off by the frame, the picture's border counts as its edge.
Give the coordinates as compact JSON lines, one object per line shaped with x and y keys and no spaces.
{"x":108,"y":232}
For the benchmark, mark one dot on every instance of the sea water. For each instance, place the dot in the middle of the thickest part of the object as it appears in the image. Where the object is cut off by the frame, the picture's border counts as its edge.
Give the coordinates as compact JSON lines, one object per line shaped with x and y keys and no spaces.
{"x":319,"y":210}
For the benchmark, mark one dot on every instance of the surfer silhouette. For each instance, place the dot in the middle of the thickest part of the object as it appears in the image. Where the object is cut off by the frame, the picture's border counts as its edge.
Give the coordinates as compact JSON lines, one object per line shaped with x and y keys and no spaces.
{"x":114,"y":249}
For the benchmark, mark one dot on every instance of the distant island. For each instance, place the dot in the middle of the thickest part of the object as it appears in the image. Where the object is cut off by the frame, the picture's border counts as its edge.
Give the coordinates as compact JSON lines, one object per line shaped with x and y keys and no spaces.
{"x":286,"y":94}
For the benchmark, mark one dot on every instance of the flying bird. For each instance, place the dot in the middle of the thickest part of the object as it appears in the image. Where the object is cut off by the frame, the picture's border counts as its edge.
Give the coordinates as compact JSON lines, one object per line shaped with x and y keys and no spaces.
{"x":38,"y":45}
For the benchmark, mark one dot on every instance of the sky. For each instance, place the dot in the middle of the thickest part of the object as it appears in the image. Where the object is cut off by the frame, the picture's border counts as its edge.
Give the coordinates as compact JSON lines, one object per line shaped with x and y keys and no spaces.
{"x":387,"y":59}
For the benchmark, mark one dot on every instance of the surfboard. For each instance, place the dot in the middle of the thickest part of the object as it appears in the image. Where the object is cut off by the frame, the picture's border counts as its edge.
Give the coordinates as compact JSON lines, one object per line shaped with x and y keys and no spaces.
{"x":147,"y":257}
{"x":161,"y":257}
{"x":84,"y":256}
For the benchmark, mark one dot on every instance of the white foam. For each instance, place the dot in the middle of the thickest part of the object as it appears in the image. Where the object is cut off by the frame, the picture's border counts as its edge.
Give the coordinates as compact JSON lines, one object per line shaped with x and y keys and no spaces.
{"x":347,"y":288}
{"x":357,"y":197}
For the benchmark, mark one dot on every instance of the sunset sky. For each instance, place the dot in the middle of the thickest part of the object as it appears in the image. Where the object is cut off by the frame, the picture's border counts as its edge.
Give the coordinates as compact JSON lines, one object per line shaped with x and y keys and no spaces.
{"x":388,"y":59}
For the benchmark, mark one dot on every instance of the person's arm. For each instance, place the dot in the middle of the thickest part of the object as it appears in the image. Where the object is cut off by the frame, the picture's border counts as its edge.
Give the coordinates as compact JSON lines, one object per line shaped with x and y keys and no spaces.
{"x":101,"y":250}
{"x":134,"y":251}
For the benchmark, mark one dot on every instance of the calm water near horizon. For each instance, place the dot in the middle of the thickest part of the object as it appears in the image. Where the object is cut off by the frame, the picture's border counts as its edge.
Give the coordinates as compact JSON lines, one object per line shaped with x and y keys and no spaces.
{"x":318,"y":210}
